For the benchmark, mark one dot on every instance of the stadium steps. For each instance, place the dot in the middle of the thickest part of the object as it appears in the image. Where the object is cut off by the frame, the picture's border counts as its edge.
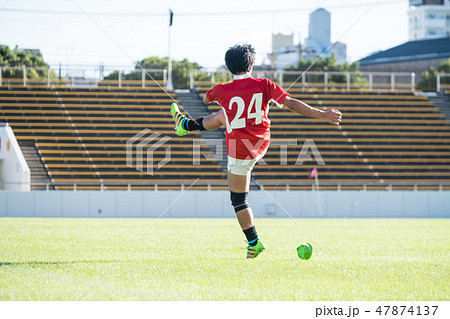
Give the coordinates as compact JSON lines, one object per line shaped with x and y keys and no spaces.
{"x":386,"y":137}
{"x":37,"y":169}
{"x":193,"y":104}
{"x":81,"y":136}
{"x":443,"y":103}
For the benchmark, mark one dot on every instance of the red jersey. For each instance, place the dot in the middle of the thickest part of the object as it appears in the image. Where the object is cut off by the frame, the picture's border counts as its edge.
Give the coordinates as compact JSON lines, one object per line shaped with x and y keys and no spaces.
{"x":245,"y":103}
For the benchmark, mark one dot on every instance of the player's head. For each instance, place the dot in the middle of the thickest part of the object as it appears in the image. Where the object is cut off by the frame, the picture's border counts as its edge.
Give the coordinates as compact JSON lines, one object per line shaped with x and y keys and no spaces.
{"x":240,"y":58}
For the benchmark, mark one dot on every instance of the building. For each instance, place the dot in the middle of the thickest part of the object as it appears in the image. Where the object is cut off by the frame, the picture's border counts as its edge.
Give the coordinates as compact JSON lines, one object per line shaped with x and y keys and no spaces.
{"x":413,"y":56}
{"x":282,"y":42}
{"x":339,"y":49}
{"x":429,"y":19}
{"x":319,"y":39}
{"x":319,"y":31}
{"x":285,"y":53}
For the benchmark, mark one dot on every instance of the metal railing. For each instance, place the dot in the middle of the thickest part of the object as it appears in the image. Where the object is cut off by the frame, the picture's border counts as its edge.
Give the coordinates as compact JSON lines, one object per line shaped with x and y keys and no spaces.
{"x":443,"y":82}
{"x":120,"y":76}
{"x":338,"y":186}
{"x":82,"y":76}
{"x":319,"y":79}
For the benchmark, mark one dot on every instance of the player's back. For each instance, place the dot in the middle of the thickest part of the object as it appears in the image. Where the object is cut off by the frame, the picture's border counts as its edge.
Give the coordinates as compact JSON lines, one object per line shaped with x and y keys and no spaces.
{"x":245,"y":103}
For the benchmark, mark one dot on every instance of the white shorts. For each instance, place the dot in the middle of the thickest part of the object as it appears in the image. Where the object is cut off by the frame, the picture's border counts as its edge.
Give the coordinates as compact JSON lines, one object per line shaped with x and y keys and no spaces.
{"x":243,"y":167}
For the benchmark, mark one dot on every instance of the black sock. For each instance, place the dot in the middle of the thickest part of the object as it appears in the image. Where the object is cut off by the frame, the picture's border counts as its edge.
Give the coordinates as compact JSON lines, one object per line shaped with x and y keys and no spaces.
{"x":252,"y":236}
{"x":193,"y":125}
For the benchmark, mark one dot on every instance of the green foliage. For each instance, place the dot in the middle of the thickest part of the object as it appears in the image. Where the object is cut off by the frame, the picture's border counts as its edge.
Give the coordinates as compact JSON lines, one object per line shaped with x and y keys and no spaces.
{"x":153,"y":62}
{"x":429,"y":77}
{"x":219,"y":76}
{"x":180,"y":71}
{"x":428,"y":81}
{"x":329,"y":64}
{"x":19,"y":59}
{"x":223,"y":76}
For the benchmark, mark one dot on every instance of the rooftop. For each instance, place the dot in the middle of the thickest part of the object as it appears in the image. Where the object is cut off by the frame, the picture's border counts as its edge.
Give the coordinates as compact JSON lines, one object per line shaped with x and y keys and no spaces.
{"x":411,"y":50}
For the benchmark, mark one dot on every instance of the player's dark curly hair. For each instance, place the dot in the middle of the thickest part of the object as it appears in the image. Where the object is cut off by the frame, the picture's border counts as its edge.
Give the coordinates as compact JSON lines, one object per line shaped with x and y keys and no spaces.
{"x":240,"y":58}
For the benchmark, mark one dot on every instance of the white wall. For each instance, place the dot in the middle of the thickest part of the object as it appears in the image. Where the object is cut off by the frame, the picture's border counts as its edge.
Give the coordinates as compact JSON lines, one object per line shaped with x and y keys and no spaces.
{"x":299,"y":204}
{"x":14,"y":170}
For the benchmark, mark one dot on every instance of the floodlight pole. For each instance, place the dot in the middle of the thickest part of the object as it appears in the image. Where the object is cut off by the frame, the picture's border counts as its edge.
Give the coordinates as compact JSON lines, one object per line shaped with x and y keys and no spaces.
{"x":169,"y":85}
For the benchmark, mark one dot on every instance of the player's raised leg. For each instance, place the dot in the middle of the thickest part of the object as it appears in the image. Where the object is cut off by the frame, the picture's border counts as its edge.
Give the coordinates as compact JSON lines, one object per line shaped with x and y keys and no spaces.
{"x":214,"y":120}
{"x":239,"y":186}
{"x":184,"y":125}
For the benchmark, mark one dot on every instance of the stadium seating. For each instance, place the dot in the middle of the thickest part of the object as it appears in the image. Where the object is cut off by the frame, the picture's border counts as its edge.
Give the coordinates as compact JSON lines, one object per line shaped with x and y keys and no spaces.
{"x":385,"y":137}
{"x":81,"y":135}
{"x":445,"y":89}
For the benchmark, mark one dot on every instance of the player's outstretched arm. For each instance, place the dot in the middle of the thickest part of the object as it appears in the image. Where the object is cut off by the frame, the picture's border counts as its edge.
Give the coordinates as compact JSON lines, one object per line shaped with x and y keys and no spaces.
{"x":205,"y":99}
{"x":332,"y":116}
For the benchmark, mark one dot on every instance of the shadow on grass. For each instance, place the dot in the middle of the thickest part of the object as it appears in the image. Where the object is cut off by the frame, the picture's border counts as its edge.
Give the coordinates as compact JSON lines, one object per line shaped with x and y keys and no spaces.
{"x":40,"y":263}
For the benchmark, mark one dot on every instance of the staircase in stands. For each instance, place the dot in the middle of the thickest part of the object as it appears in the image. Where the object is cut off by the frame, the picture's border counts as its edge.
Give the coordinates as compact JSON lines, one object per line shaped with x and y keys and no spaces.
{"x":443,"y":103}
{"x":192,"y":103}
{"x":39,"y":176}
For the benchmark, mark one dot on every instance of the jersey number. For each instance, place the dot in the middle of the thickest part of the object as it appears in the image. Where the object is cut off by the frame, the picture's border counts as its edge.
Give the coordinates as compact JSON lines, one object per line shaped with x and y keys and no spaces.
{"x":255,"y":104}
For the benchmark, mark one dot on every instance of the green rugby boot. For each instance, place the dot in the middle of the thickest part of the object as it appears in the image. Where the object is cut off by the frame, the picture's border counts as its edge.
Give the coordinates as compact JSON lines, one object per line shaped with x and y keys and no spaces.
{"x":254,"y":251}
{"x":304,"y":251}
{"x":179,"y":119}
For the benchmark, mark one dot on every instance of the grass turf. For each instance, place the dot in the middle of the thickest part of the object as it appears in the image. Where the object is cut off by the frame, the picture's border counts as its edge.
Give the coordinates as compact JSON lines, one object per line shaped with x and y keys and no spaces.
{"x":203,"y":259}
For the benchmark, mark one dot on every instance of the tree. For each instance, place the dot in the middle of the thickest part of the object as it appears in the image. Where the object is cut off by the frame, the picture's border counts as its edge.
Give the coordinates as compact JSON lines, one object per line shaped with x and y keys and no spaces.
{"x":327,"y":64}
{"x":180,"y":71}
{"x":18,"y":59}
{"x":323,"y":65}
{"x":429,"y":77}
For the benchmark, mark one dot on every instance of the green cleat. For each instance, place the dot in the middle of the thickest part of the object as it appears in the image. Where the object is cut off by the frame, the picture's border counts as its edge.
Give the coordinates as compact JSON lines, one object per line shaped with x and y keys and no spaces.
{"x":304,"y":251}
{"x":178,"y":117}
{"x":254,"y":251}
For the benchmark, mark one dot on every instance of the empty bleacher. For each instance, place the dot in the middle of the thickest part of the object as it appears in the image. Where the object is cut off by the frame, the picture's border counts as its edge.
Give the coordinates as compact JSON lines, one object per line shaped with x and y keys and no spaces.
{"x":386,"y":137}
{"x":82,"y":134}
{"x":445,"y":88}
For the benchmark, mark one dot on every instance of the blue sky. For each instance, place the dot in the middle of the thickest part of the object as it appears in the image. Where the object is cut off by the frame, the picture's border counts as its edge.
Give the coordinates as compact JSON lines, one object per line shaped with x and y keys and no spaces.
{"x":202,"y":29}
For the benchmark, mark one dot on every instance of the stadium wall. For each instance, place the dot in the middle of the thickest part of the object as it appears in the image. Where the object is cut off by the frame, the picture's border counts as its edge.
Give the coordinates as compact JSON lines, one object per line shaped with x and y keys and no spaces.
{"x":298,"y":204}
{"x":14,"y":170}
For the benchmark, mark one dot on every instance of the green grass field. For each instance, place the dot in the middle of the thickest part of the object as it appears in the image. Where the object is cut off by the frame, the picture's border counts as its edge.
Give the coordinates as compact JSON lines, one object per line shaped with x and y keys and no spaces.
{"x":203,"y":259}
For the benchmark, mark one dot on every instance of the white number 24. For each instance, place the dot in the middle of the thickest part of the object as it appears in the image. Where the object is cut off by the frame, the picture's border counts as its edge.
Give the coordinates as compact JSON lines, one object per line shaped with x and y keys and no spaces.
{"x":257,"y":114}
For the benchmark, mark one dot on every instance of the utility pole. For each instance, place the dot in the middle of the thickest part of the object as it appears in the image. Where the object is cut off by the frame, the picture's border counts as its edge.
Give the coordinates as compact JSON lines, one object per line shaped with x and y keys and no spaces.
{"x":169,"y":67}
